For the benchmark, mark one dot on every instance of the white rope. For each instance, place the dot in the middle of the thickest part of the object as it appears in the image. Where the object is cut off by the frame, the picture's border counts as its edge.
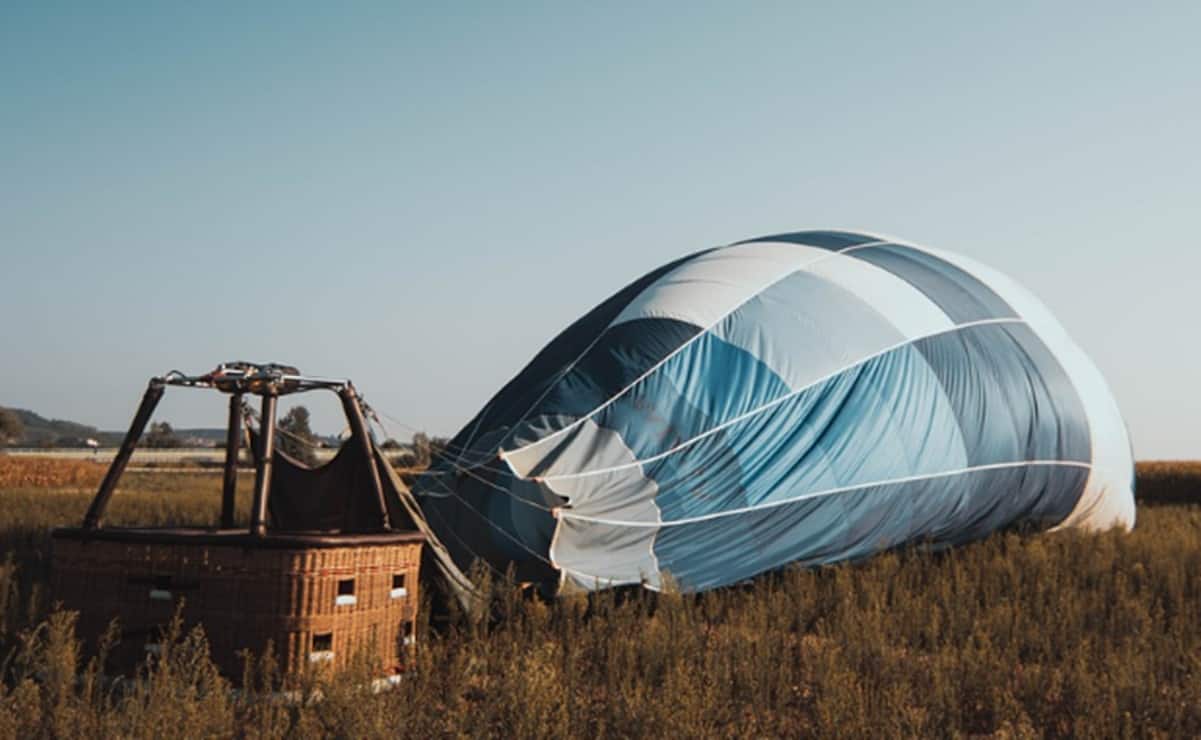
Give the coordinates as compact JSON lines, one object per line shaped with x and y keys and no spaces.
{"x":447,"y":447}
{"x":571,"y":365}
{"x":502,"y":489}
{"x":460,"y":470}
{"x":775,"y":402}
{"x":565,"y":513}
{"x":494,"y":525}
{"x":470,"y":472}
{"x":453,"y":533}
{"x":447,"y":528}
{"x":471,"y":435}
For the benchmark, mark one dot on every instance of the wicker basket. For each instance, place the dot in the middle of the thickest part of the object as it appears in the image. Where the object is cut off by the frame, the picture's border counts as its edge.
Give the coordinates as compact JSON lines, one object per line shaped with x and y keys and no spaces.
{"x":319,"y":599}
{"x":327,"y":569}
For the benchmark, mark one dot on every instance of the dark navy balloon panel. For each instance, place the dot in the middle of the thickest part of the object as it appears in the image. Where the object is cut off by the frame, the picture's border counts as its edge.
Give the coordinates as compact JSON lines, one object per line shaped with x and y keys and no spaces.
{"x":545,"y":371}
{"x":807,"y":398}
{"x":963,"y":297}
{"x":832,"y":240}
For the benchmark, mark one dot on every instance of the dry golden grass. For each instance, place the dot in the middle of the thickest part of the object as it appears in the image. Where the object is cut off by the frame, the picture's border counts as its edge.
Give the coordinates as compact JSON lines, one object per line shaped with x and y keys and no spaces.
{"x":1169,"y":482}
{"x":1060,"y":635}
{"x":42,"y":472}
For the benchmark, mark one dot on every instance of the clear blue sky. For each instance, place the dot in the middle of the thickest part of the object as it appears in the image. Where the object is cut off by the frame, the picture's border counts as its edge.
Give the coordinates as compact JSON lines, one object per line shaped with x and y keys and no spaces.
{"x":442,"y":187}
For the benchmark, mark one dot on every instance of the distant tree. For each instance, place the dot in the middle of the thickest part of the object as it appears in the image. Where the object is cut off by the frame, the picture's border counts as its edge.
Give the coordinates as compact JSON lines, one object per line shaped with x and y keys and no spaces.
{"x":297,"y":440}
{"x":409,"y":459}
{"x":419,"y":453}
{"x":12,"y":429}
{"x":421,"y":450}
{"x":410,"y":456}
{"x":162,"y":436}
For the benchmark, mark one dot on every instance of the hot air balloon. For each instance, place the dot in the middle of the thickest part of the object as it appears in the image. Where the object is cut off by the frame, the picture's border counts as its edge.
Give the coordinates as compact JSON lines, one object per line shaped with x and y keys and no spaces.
{"x":804,"y":398}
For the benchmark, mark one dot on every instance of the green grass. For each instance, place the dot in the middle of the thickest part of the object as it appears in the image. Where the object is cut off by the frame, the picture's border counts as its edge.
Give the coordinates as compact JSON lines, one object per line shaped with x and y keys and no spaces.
{"x":1062,"y":634}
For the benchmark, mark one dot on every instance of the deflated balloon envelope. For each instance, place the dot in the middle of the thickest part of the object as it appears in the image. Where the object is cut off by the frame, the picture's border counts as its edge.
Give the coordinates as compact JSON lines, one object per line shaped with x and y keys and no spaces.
{"x":799,"y":398}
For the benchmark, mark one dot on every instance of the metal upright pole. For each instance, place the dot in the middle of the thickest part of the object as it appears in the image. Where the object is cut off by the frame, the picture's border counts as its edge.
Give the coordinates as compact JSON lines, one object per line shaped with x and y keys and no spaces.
{"x":150,"y":400}
{"x":358,"y":427}
{"x":262,"y":480}
{"x":233,"y":443}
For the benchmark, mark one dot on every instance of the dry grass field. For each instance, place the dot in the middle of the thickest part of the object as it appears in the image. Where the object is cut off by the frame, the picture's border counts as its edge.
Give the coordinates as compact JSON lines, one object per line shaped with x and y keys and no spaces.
{"x":1169,"y":482}
{"x":43,"y":472}
{"x":1017,"y":636}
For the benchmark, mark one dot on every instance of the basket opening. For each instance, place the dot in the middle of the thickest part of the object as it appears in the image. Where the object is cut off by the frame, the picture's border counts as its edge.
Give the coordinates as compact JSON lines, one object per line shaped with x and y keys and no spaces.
{"x":346,"y":587}
{"x":398,"y":580}
{"x":323,"y":642}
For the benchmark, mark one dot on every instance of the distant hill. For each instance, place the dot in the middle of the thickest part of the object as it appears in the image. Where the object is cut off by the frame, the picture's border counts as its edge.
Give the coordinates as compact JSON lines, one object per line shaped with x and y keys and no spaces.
{"x":40,"y":431}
